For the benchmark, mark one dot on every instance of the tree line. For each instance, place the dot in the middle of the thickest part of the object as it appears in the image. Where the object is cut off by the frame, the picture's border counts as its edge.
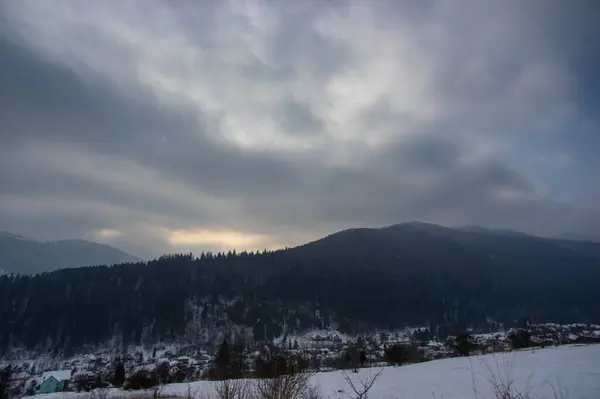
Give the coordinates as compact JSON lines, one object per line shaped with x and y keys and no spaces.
{"x":265,"y":294}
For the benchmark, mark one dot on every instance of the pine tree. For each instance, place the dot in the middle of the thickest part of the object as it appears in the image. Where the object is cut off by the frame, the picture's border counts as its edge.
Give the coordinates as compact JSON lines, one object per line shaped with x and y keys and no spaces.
{"x":222,"y":363}
{"x":4,"y":382}
{"x":463,"y":344}
{"x":237,"y":360}
{"x":119,"y":374}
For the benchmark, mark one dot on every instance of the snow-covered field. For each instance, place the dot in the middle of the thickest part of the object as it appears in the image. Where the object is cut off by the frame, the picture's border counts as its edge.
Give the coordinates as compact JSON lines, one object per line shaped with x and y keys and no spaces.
{"x":570,"y":369}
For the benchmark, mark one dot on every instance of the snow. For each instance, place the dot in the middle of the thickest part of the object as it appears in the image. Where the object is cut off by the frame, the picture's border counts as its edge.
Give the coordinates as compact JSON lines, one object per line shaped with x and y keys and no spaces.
{"x":309,"y":338}
{"x":144,"y":367}
{"x":573,"y":368}
{"x":59,"y":375}
{"x":19,"y":376}
{"x":435,"y":344}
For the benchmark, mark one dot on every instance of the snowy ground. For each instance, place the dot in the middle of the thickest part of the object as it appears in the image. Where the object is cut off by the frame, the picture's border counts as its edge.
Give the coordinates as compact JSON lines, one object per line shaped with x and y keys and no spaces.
{"x":575,"y":369}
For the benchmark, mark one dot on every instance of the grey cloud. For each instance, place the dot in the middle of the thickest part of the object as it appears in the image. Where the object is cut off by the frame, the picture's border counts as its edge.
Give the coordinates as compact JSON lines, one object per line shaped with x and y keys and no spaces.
{"x":36,"y":179}
{"x":184,"y":172}
{"x":308,"y":50}
{"x":43,"y":100}
{"x":259,"y":70}
{"x":381,"y":113}
{"x":298,"y":46}
{"x":424,"y":151}
{"x":48,"y":219}
{"x":49,"y":103}
{"x":419,"y":177}
{"x":297,"y":117}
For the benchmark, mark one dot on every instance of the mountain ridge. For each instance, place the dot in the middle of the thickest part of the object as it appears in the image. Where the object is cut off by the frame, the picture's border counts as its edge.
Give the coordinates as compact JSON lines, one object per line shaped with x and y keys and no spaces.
{"x":353,"y":280}
{"x":19,"y":254}
{"x":476,"y":239}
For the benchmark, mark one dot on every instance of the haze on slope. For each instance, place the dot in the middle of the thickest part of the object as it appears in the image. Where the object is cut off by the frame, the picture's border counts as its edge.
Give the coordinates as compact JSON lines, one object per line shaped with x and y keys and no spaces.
{"x":26,"y":256}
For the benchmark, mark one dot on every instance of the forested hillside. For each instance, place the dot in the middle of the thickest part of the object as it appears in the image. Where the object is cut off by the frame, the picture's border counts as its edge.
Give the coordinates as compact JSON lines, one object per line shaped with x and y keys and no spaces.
{"x":355,"y":280}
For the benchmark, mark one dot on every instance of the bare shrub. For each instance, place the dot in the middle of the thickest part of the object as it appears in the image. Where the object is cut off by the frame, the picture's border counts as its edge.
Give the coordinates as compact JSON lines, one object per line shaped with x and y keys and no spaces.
{"x":503,"y":390}
{"x":275,"y":362}
{"x":140,"y":380}
{"x":501,"y":379}
{"x":354,"y":357}
{"x":519,"y":338}
{"x":232,"y":389}
{"x":135,"y":395}
{"x":285,"y":386}
{"x":500,"y":376}
{"x":399,"y":354}
{"x":312,"y":392}
{"x":99,"y":393}
{"x":361,"y":385}
{"x":559,"y":391}
{"x":156,"y":392}
{"x":192,"y":393}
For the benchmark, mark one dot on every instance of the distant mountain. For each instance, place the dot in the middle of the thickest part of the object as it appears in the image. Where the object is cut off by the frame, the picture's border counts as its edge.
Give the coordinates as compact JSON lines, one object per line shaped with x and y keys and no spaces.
{"x":26,"y":256}
{"x":501,"y":232}
{"x":415,"y":274}
{"x":581,"y":237}
{"x":425,"y":243}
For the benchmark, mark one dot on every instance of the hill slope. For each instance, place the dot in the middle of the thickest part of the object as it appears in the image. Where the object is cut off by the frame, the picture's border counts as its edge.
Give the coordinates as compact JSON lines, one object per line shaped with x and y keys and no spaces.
{"x":360,"y":279}
{"x":544,"y":373}
{"x":22,"y":255}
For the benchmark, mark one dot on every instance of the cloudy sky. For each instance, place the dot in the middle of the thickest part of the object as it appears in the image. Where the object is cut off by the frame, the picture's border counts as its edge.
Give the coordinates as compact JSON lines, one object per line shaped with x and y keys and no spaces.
{"x":169,"y":126}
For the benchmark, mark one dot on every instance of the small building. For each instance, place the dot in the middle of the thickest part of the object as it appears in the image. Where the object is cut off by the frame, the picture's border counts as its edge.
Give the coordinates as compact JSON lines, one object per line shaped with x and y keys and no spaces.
{"x":55,"y":381}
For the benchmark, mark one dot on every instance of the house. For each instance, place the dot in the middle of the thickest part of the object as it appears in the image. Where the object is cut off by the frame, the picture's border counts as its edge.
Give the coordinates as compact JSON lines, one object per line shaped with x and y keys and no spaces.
{"x":55,"y":381}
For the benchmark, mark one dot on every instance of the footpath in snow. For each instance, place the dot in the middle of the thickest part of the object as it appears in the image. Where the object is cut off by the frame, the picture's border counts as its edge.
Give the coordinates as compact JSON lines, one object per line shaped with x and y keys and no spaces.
{"x":571,"y":369}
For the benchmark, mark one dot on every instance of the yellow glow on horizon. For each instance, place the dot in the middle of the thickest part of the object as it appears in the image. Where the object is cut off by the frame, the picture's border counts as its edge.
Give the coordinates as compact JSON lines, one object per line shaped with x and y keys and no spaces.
{"x":107,"y":233}
{"x":225,"y":238}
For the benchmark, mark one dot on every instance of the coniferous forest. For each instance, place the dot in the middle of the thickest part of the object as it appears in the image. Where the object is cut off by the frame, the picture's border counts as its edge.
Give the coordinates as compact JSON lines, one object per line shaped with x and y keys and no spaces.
{"x":355,"y":280}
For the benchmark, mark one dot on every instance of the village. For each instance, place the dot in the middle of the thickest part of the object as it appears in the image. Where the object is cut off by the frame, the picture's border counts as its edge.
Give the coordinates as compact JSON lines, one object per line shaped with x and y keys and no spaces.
{"x":319,"y":350}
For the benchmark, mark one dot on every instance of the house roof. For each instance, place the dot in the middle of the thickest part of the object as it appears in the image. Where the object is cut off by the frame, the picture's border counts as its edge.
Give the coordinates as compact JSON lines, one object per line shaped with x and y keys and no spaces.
{"x":59,"y":375}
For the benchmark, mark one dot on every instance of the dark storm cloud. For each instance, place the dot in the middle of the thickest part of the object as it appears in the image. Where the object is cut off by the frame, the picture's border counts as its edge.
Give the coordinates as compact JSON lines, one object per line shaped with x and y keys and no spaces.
{"x":48,"y":103}
{"x":293,"y":121}
{"x":419,"y":177}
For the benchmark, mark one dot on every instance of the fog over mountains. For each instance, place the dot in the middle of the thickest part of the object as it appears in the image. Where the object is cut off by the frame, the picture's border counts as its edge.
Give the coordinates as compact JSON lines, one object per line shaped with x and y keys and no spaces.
{"x":26,"y":256}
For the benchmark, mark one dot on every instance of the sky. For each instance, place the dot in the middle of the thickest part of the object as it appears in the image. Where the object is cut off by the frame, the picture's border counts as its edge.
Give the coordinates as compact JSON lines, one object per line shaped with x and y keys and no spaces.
{"x":178,"y":126}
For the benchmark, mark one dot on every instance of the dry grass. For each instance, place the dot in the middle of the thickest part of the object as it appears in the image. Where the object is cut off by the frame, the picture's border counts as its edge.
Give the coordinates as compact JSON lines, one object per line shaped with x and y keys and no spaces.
{"x":501,"y":378}
{"x":361,"y":385}
{"x":286,"y":386}
{"x":232,"y":389}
